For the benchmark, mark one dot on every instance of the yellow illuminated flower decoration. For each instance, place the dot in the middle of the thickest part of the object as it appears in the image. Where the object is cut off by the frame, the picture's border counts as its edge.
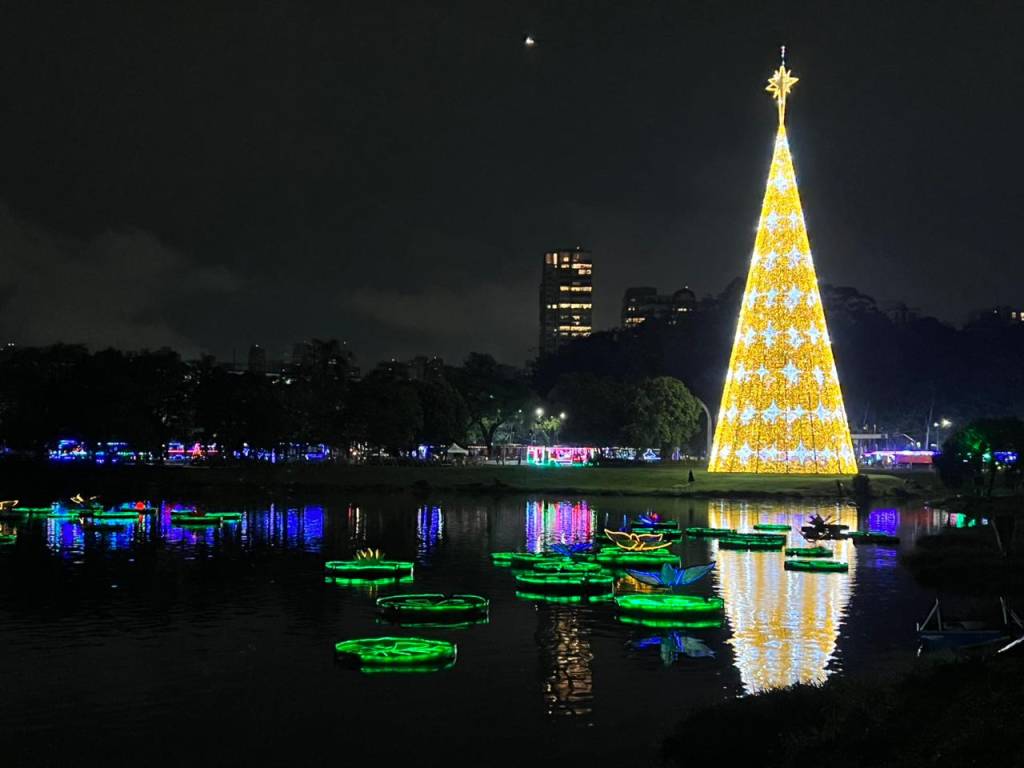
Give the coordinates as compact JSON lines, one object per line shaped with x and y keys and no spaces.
{"x":782,"y":409}
{"x":369,"y":554}
{"x":637,"y":542}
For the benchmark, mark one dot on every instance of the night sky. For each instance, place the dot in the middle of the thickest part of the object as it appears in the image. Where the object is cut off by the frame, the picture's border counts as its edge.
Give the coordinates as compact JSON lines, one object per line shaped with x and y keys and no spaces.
{"x":208,"y":175}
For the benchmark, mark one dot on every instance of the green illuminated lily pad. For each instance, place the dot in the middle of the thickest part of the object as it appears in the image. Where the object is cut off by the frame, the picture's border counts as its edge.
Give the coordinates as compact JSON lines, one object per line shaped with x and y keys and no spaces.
{"x":621,"y":558}
{"x":7,"y":538}
{"x":651,"y":621}
{"x":809,"y":552}
{"x":753,"y":542}
{"x":112,"y":514}
{"x":567,"y":567}
{"x":817,"y":566}
{"x":566,"y":583}
{"x":666,"y":604}
{"x":661,"y":525}
{"x":433,"y":607}
{"x":530,"y":559}
{"x":369,"y":569}
{"x":378,"y":654}
{"x":502,"y":558}
{"x":772,"y":527}
{"x":710,"y":533}
{"x":544,"y":597}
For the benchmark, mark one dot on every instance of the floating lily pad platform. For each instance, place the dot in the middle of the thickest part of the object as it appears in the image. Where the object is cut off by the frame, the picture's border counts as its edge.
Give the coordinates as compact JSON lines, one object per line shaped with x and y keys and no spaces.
{"x":111,"y":514}
{"x":369,"y":569}
{"x":433,"y":607}
{"x":192,"y":516}
{"x":654,"y":525}
{"x":710,"y":533}
{"x":523,"y":560}
{"x":652,"y":621}
{"x":570,"y":566}
{"x":809,"y":552}
{"x":817,"y":566}
{"x":753,"y":542}
{"x":622,"y":558}
{"x":771,"y":527}
{"x":666,"y":604}
{"x":565,"y":583}
{"x":396,"y":654}
{"x":7,"y":538}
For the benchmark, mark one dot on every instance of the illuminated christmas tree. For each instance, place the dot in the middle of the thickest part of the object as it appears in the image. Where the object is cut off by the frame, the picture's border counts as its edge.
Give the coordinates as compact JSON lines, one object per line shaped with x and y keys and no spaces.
{"x":782,"y":408}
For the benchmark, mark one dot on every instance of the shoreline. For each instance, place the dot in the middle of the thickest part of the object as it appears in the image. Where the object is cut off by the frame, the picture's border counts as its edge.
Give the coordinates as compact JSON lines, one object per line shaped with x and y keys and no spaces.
{"x":36,"y":481}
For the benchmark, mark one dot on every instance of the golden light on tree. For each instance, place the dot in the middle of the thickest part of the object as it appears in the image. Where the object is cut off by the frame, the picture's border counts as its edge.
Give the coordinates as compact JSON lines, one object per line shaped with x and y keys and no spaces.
{"x":782,"y":407}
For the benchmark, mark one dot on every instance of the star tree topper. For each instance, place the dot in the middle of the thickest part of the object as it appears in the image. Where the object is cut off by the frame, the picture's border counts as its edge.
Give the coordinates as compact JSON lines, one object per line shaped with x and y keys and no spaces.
{"x":780,"y":84}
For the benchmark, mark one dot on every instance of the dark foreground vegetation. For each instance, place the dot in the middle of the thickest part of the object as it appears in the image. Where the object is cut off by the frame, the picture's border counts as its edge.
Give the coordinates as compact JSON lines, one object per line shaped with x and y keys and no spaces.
{"x":956,"y":714}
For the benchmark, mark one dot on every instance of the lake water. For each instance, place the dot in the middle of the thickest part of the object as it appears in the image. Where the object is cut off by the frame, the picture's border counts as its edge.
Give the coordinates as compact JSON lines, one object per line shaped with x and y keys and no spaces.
{"x":215,"y":646}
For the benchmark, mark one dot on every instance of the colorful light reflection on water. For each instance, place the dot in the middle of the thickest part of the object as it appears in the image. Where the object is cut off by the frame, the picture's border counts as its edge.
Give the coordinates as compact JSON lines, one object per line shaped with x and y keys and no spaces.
{"x":559,"y":522}
{"x":784,"y":624}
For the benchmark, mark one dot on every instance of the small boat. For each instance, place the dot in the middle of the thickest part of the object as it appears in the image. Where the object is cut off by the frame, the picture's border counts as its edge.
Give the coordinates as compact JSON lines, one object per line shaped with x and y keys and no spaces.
{"x":959,"y":636}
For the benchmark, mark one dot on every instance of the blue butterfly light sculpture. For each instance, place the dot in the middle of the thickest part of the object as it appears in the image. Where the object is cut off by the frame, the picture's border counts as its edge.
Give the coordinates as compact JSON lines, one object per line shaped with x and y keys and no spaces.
{"x":649,"y":519}
{"x":673,"y":578}
{"x":575,"y":548}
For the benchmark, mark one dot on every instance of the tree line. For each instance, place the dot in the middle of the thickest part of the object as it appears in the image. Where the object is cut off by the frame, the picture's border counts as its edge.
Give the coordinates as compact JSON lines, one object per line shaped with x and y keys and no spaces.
{"x":149,"y":398}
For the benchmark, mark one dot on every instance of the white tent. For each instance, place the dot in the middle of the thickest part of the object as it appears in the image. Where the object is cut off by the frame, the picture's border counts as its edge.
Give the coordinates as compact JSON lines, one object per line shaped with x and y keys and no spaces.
{"x":456,"y":450}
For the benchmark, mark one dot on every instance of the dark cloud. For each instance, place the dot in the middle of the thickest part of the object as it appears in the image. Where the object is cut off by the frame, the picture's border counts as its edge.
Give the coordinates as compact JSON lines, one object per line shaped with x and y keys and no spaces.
{"x":390,"y":172}
{"x":120,"y":288}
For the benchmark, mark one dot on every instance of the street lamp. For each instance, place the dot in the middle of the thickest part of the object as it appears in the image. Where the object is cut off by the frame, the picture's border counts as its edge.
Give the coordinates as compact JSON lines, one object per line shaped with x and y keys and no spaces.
{"x":562,"y":415}
{"x":539,"y":412}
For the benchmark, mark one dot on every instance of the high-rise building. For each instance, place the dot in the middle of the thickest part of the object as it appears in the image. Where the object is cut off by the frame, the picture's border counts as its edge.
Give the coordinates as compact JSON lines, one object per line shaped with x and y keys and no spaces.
{"x":566,"y":304}
{"x":645,"y":303}
{"x":257,"y":360}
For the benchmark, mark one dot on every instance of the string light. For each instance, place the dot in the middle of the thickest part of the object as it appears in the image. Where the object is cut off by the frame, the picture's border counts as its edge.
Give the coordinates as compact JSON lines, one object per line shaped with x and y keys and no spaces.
{"x":782,"y":407}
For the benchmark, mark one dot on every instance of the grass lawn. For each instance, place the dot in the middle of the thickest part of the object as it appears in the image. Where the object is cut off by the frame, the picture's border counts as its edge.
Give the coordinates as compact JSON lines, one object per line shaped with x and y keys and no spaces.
{"x":54,"y":482}
{"x":666,"y":481}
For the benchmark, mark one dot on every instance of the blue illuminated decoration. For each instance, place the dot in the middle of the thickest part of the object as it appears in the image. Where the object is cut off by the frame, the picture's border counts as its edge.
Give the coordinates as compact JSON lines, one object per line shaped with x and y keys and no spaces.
{"x":575,"y":548}
{"x":285,"y":453}
{"x":674,"y":645}
{"x":673,"y":578}
{"x":429,"y":530}
{"x":68,"y":451}
{"x":884,"y":521}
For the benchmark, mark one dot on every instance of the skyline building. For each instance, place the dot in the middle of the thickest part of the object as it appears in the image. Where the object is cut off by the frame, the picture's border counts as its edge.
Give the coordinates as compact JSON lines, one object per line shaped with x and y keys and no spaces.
{"x":566,"y":298}
{"x":643,"y":303}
